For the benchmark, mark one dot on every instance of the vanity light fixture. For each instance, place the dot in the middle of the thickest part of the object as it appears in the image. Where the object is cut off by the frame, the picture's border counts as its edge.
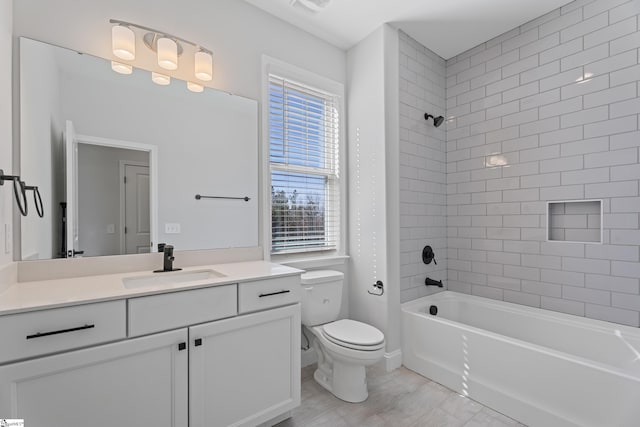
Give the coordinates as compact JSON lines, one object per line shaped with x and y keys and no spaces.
{"x":167,"y":47}
{"x":160,"y":79}
{"x":195,"y":87}
{"x":121,"y":68}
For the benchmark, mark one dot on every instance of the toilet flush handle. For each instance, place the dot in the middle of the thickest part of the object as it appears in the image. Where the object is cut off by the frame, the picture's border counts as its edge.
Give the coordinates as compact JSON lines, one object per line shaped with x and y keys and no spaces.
{"x":309,"y":289}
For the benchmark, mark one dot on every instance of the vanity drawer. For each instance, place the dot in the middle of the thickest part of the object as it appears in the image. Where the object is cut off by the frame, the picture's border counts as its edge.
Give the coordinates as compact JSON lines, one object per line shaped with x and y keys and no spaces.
{"x":263,"y":294}
{"x":163,"y":312}
{"x":35,"y":333}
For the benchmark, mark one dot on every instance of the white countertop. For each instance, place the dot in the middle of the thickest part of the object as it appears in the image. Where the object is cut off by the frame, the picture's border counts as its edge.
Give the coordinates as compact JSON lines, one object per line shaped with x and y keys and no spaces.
{"x":45,"y":294}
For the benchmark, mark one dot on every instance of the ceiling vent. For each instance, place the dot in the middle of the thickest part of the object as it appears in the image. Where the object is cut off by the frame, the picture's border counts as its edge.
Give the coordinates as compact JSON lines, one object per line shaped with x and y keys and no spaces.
{"x":313,"y":6}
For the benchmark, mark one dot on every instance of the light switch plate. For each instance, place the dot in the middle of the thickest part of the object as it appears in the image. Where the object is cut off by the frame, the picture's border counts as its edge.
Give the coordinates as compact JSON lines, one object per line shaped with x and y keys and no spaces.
{"x":172,"y":228}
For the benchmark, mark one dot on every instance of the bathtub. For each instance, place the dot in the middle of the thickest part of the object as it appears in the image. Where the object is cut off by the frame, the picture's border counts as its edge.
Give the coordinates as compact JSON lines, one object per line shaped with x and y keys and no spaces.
{"x":539,"y":367}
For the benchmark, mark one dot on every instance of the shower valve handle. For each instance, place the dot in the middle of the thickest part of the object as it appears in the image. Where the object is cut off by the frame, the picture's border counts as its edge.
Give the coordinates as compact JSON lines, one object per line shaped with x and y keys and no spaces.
{"x":428,"y":255}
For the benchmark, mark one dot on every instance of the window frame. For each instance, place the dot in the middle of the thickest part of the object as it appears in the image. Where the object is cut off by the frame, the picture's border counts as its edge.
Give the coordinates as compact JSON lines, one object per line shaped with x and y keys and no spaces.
{"x":315,"y":81}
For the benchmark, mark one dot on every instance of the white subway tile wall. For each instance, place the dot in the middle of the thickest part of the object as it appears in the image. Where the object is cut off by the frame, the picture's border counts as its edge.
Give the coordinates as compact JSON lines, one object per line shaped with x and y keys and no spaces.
{"x":546,"y":112}
{"x":423,"y":161}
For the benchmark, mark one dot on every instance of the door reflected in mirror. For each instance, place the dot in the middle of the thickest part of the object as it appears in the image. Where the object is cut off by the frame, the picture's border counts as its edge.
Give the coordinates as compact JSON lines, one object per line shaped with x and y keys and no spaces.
{"x":205,"y":143}
{"x":113,"y":203}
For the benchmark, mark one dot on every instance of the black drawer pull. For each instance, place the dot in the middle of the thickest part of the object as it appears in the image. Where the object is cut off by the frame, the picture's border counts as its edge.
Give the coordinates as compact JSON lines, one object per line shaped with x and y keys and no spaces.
{"x":61,"y":331}
{"x":197,"y":342}
{"x":182,"y":346}
{"x":274,"y":293}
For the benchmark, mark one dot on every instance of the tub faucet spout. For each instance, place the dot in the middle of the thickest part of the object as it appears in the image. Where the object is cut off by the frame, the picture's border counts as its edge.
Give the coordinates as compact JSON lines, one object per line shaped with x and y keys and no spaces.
{"x":431,"y":282}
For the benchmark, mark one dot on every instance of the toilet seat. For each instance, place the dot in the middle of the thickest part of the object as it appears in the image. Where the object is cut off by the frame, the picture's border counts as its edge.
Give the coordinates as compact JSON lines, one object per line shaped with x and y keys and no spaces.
{"x":354,"y":335}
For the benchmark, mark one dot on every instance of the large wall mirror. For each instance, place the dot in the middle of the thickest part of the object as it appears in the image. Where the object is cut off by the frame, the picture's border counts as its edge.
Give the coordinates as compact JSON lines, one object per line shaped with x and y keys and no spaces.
{"x":119,"y":160}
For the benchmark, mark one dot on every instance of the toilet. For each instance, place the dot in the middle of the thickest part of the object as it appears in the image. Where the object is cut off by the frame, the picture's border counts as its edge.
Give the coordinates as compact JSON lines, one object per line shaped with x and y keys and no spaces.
{"x":344,"y":347}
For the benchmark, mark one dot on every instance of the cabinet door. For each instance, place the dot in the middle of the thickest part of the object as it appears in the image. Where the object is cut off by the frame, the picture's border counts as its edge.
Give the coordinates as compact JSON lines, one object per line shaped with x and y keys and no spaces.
{"x":140,"y":382}
{"x":245,"y":370}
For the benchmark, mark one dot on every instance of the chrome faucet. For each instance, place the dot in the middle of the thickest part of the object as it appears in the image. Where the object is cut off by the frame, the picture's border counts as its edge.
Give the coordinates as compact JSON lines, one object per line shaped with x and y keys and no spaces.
{"x":168,"y":259}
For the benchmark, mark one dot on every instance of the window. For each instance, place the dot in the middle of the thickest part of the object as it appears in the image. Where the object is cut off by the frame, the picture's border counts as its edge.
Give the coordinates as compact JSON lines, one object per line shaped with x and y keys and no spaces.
{"x":303,"y":135}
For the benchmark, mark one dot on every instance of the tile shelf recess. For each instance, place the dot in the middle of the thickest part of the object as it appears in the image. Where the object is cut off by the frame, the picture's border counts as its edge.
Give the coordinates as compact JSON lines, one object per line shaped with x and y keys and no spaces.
{"x":574,"y":221}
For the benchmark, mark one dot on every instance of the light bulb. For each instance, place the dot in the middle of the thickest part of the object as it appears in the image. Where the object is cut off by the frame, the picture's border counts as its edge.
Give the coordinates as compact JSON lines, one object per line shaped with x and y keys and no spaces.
{"x":167,"y":53}
{"x":121,"y":68}
{"x":195,"y":87}
{"x":160,"y":79}
{"x":123,"y":42}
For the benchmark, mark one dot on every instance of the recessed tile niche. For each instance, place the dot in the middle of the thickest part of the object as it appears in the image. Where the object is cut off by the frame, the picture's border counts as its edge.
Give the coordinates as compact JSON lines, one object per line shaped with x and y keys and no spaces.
{"x":575,"y":221}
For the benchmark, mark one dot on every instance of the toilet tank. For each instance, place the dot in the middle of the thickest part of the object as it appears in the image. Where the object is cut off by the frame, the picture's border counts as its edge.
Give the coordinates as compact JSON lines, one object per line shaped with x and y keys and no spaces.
{"x":321,"y":296}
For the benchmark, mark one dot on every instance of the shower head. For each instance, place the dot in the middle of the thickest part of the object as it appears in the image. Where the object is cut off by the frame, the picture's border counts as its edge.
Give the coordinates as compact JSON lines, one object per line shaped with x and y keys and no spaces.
{"x":437,"y":121}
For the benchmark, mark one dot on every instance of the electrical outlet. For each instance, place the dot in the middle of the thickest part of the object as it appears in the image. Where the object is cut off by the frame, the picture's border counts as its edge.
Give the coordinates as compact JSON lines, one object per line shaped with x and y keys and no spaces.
{"x":172,"y":228}
{"x":111,"y":229}
{"x":8,"y":239}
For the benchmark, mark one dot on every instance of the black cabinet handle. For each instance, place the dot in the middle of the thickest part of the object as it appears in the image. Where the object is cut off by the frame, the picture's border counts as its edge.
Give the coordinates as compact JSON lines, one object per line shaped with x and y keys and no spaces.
{"x":286,"y":291}
{"x":61,"y":331}
{"x":182,"y":346}
{"x":197,"y":342}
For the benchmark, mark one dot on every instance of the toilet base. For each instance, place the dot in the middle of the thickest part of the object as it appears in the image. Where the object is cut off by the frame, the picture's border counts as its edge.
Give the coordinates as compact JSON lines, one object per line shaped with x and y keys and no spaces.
{"x":345,"y":381}
{"x":342,"y":372}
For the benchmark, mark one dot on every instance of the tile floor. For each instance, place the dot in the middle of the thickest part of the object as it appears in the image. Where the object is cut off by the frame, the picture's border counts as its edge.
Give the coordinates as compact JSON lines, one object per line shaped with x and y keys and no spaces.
{"x":400,"y":398}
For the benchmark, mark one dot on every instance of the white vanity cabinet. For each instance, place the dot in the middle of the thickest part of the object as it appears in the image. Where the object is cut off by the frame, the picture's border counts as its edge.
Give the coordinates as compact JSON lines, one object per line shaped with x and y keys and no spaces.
{"x":138,"y":382}
{"x":226,"y":355}
{"x":245,"y":370}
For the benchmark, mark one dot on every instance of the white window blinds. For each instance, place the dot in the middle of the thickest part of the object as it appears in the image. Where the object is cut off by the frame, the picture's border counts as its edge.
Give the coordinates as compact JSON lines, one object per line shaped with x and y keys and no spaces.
{"x":304,"y":158}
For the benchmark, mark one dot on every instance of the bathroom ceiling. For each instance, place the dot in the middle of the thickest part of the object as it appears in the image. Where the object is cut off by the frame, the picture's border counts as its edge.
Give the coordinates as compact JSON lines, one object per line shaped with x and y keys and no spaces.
{"x":447,"y":27}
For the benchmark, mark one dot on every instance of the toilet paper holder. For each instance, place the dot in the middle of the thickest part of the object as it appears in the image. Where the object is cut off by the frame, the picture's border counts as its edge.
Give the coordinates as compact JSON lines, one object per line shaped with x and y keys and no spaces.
{"x":379,"y":286}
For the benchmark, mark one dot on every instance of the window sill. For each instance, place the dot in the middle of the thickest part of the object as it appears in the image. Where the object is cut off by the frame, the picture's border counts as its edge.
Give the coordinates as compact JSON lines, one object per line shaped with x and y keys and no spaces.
{"x":310,"y":262}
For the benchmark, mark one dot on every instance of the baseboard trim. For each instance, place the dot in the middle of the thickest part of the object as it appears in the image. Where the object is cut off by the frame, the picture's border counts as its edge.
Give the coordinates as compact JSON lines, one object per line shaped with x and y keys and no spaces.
{"x":393,"y":360}
{"x":276,"y":420}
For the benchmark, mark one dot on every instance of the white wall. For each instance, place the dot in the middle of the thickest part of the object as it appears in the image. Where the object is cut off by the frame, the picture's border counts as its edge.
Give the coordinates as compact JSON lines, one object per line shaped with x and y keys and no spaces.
{"x":423,"y":168}
{"x":367,"y":175}
{"x":392,"y":164}
{"x":6,"y":194}
{"x":374,"y":182}
{"x":236,"y":32}
{"x":558,"y":98}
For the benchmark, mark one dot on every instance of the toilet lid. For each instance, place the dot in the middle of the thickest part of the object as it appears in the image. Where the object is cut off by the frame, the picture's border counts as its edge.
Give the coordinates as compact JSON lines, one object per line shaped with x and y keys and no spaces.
{"x":351,"y":332}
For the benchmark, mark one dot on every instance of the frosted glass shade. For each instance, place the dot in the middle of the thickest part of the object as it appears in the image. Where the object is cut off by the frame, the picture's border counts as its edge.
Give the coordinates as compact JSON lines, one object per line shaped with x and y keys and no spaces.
{"x":123,"y":42}
{"x":203,"y":66}
{"x":167,"y":53}
{"x":194,"y":87}
{"x":121,"y":68}
{"x":160,"y":79}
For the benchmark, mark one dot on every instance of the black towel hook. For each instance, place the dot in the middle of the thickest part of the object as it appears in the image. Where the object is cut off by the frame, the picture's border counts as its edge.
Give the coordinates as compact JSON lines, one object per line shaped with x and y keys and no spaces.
{"x":37,"y":199}
{"x":18,"y":191}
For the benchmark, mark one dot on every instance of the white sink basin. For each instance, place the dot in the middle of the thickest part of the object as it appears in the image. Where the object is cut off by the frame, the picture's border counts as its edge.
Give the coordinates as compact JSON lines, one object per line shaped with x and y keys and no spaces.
{"x":170,"y":278}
